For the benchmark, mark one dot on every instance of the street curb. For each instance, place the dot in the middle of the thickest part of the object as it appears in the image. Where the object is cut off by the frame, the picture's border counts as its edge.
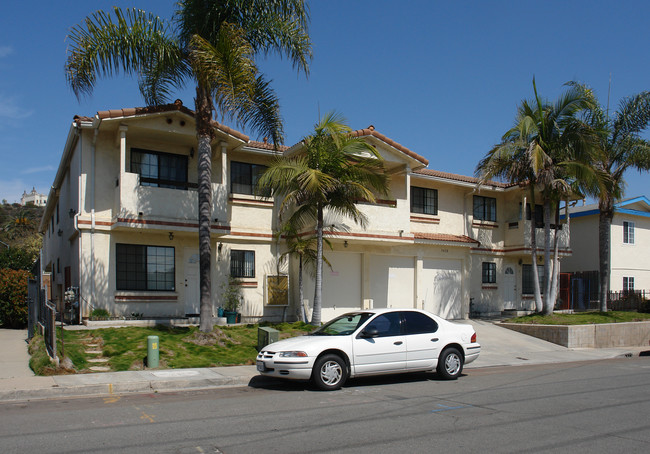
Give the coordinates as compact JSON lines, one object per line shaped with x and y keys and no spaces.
{"x":110,"y":389}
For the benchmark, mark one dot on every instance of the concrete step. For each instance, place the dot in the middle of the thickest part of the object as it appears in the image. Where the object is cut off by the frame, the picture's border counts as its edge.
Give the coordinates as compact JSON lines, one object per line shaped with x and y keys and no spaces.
{"x":93,"y":352}
{"x":100,"y":368}
{"x":97,"y":360}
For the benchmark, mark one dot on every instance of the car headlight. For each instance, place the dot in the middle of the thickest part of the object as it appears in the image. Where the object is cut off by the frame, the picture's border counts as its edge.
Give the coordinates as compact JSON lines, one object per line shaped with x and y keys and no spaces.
{"x":293,"y":354}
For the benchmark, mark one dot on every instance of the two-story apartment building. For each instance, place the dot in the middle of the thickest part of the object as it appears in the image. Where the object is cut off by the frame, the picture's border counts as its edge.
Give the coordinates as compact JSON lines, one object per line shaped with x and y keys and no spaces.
{"x":629,"y":243}
{"x":121,"y":224}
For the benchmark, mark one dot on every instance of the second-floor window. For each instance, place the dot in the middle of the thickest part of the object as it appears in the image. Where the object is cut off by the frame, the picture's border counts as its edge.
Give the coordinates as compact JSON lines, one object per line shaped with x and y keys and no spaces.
{"x":628,"y":232}
{"x":489,"y":273}
{"x":485,"y":208}
{"x":145,"y":267}
{"x":244,"y":177}
{"x":161,"y":170}
{"x":242,"y":263}
{"x":424,"y":200}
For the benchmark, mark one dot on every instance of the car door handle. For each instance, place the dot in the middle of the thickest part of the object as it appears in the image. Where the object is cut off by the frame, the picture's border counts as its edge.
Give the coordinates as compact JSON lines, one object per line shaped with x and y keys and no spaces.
{"x":398,"y":343}
{"x":435,"y":339}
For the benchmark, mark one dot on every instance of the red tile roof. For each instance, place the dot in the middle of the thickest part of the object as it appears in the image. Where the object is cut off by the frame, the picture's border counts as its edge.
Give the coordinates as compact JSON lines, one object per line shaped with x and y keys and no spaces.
{"x":444,"y":237}
{"x":456,"y":177}
{"x":370,"y":131}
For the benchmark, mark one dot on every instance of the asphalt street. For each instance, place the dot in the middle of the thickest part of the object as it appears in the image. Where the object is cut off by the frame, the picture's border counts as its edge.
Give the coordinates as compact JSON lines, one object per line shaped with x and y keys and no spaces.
{"x":589,"y":406}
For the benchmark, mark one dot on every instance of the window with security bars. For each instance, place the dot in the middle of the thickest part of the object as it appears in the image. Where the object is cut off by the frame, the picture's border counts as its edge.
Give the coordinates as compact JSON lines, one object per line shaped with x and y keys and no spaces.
{"x":527,"y":282}
{"x":628,"y":232}
{"x":244,"y":177}
{"x":489,"y":273}
{"x":424,"y":200}
{"x":145,"y":267}
{"x":485,"y":208}
{"x":242,"y":263}
{"x":161,"y":170}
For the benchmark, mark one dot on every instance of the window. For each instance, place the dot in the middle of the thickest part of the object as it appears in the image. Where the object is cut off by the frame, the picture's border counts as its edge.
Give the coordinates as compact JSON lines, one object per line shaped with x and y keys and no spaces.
{"x":417,"y":323}
{"x":489,"y":272}
{"x":388,"y":324}
{"x":244,"y":177}
{"x":628,"y":284}
{"x":485,"y":208}
{"x":160,"y":170}
{"x":145,"y":267}
{"x":57,"y":214}
{"x":628,"y":232}
{"x":424,"y":200}
{"x":539,"y":215}
{"x":242,"y":263}
{"x":527,"y":283}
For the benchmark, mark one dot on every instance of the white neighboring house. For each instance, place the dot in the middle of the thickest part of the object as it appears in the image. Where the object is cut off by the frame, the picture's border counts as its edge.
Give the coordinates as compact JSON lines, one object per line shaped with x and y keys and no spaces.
{"x":629,"y":243}
{"x":40,"y":200}
{"x":121,"y":224}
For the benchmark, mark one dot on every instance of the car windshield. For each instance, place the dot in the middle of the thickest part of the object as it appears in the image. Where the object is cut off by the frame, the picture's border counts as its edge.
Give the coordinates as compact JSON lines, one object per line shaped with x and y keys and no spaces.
{"x":343,"y":325}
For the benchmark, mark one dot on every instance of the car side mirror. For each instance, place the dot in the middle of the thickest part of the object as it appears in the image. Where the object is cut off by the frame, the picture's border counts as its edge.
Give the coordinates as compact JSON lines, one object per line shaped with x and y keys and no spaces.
{"x":370,"y":332}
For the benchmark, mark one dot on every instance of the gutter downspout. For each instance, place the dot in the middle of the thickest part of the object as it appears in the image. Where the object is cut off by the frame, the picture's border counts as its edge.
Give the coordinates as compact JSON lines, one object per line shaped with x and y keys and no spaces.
{"x":75,"y":225}
{"x":92,"y":216}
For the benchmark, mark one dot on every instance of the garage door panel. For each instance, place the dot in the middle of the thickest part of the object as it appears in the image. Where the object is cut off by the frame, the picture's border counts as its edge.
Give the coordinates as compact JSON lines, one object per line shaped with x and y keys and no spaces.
{"x":442,"y":283}
{"x":391,"y":281}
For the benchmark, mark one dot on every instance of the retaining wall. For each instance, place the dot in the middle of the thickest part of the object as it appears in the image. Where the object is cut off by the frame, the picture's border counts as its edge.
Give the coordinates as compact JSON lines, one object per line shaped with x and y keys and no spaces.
{"x":605,"y":335}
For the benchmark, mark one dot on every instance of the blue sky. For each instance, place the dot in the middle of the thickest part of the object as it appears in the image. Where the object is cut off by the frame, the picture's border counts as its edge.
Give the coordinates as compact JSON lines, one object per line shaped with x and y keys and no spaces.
{"x":442,"y":78}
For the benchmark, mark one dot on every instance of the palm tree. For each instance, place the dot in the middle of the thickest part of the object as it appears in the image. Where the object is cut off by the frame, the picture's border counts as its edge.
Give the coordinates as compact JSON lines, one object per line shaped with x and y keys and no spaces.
{"x":333,"y":172}
{"x":304,"y":247}
{"x":211,"y":44}
{"x":547,"y":149}
{"x":621,"y":148}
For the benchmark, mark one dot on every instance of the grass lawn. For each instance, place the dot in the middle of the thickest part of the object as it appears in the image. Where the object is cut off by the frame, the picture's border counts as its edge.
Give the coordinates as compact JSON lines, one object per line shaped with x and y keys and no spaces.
{"x":126,"y":348}
{"x":582,"y":318}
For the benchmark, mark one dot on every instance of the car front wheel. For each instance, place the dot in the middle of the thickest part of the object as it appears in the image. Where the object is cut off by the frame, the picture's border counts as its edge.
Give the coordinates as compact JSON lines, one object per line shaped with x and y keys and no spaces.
{"x":330,"y":372}
{"x":450,"y":364}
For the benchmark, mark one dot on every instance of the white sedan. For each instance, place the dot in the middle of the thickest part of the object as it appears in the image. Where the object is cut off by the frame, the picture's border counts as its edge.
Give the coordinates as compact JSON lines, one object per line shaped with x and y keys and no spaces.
{"x":372,"y":342}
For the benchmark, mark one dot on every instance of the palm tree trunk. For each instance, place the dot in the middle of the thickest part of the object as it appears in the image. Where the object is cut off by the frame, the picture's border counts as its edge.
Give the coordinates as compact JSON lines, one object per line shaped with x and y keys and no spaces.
{"x":539,"y":305}
{"x":204,"y":134}
{"x":604,"y":231}
{"x":301,"y":294}
{"x":548,"y":303}
{"x":318,"y":288}
{"x":556,"y":260}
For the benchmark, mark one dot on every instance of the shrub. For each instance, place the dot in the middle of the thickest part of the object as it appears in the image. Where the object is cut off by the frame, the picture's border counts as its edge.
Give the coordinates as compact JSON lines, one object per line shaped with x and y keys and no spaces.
{"x":100,"y":314}
{"x":13,"y":298}
{"x":16,"y":259}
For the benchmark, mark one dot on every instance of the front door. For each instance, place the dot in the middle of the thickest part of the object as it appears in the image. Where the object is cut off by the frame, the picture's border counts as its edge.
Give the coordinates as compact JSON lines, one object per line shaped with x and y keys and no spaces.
{"x":192,"y":299}
{"x":509,"y":289}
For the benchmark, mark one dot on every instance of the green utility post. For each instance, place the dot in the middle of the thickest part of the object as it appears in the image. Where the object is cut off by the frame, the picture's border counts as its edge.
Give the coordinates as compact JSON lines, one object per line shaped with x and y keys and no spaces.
{"x":152,"y":351}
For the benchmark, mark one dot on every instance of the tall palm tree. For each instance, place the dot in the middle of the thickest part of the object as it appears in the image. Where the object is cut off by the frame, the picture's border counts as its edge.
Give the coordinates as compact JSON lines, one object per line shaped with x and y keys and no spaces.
{"x":332,"y":172}
{"x":547,"y":149}
{"x":621,"y":148}
{"x":211,"y":44}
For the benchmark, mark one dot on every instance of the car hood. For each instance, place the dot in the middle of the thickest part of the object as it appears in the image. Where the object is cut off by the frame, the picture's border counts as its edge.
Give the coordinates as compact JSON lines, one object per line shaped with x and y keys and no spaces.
{"x":308,"y":344}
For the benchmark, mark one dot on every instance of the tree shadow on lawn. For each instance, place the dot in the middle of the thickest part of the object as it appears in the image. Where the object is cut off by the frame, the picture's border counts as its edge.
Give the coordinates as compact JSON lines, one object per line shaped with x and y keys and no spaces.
{"x":279,"y":384}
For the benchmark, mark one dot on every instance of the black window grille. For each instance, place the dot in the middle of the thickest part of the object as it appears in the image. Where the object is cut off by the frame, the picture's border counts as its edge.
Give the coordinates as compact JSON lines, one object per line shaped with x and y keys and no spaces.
{"x":161,"y":170}
{"x":145,"y":267}
{"x":244,"y":177}
{"x":489,"y":272}
{"x":485,"y":208}
{"x":424,"y":200}
{"x":242,"y":263}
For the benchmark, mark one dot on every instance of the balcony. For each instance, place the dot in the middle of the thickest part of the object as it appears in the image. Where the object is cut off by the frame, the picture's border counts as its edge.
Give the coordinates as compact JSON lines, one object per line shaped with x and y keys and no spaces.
{"x":517,"y":235}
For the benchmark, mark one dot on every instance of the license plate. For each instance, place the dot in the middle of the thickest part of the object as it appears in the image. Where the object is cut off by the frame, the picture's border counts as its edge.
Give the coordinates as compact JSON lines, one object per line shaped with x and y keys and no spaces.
{"x":260,"y":366}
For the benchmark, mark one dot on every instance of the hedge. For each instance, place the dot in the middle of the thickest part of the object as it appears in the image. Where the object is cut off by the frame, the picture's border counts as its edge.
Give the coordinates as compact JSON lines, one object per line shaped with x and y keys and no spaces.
{"x":13,"y":298}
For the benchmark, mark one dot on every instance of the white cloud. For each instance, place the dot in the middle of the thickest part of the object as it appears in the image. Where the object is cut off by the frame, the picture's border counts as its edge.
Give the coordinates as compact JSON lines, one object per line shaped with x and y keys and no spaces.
{"x":10,"y":109}
{"x":5,"y":50}
{"x":37,"y":170}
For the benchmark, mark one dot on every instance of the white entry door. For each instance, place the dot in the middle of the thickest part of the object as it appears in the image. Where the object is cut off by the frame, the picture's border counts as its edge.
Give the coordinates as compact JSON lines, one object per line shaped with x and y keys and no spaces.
{"x":192,"y":298}
{"x":509,"y":289}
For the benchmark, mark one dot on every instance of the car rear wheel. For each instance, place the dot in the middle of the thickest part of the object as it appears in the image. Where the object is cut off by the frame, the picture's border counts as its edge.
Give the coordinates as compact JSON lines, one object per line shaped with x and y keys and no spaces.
{"x":330,"y":372}
{"x":450,"y":364}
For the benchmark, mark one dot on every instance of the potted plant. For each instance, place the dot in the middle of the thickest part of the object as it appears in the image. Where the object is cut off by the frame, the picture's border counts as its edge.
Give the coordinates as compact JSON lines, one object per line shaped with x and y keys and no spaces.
{"x":231,"y":296}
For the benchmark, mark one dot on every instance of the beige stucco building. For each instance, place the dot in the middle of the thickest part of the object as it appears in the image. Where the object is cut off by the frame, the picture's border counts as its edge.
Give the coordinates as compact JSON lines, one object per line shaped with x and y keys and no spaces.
{"x":121,"y":224}
{"x":629,"y":243}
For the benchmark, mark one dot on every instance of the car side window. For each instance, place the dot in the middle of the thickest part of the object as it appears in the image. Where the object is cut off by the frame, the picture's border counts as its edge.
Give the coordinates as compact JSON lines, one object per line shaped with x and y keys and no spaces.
{"x":387,"y":324}
{"x":418,"y":323}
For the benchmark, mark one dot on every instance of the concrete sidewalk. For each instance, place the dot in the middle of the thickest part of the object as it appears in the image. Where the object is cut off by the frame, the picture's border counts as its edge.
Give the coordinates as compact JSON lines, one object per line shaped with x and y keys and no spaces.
{"x":499,"y":347}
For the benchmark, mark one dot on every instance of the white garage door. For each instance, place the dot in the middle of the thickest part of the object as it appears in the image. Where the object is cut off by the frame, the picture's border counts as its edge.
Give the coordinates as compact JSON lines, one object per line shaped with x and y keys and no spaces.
{"x":441,"y":282}
{"x":391,"y":281}
{"x":341,"y":284}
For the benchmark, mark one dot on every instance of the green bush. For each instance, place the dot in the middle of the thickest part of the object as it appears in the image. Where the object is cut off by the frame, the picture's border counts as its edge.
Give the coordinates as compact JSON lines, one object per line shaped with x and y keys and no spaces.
{"x":13,"y":298}
{"x":100,"y":314}
{"x":16,"y":259}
